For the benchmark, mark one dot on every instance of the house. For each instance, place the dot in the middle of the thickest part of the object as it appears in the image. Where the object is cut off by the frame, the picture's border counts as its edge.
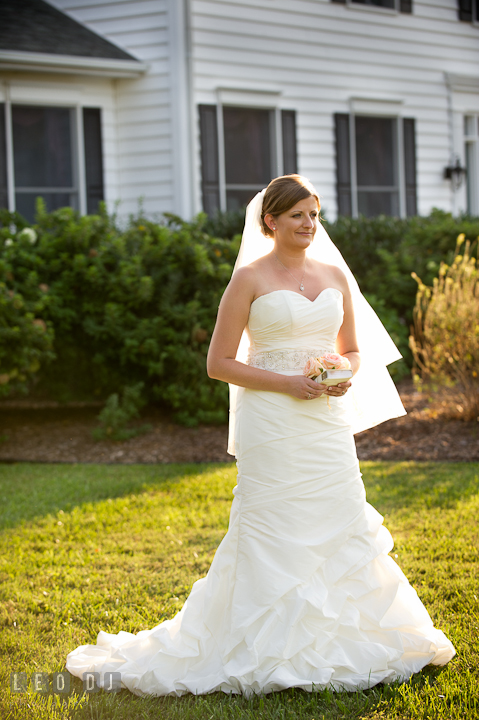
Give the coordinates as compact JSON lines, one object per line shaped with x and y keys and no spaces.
{"x":187,"y":105}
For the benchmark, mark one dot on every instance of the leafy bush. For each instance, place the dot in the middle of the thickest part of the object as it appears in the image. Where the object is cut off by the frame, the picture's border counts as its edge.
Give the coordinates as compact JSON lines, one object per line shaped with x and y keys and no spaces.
{"x":129,"y":306}
{"x":445,"y":343}
{"x":25,"y":338}
{"x":87,"y":308}
{"x":116,"y":415}
{"x":226,"y":224}
{"x":383,"y":251}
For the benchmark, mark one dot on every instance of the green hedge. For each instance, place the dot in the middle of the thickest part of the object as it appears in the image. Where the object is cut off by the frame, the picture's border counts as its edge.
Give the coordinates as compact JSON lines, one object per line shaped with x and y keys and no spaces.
{"x":125,"y":306}
{"x":87,"y":308}
{"x":383,"y":252}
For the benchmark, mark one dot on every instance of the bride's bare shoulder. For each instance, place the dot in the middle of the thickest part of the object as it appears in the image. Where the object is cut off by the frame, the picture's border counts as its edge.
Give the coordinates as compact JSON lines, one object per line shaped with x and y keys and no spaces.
{"x":243,"y":283}
{"x":247,"y":277}
{"x":333,"y":275}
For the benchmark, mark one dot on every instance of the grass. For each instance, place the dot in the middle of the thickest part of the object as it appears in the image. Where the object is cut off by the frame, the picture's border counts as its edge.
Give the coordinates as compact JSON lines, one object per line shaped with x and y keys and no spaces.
{"x":89,"y":547}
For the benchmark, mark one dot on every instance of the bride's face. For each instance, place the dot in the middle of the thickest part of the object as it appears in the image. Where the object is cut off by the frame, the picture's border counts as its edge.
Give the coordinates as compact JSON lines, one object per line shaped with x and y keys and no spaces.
{"x":296,"y":227}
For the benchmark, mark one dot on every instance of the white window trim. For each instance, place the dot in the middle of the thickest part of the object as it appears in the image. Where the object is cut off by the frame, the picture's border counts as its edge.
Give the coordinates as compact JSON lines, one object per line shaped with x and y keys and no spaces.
{"x":472,"y":184}
{"x":78,"y":145}
{"x":255,"y":99}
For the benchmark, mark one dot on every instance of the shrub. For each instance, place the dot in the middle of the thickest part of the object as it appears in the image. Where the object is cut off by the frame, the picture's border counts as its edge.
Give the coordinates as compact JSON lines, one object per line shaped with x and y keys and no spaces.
{"x":445,"y":343}
{"x":383,"y":251}
{"x":130,"y":306}
{"x":116,"y":415}
{"x":138,"y":304}
{"x":25,"y":338}
{"x":226,"y":224}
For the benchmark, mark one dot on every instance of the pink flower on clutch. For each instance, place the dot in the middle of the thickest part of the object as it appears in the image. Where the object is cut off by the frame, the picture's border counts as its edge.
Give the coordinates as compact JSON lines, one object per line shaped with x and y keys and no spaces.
{"x":313,"y":368}
{"x":329,"y":361}
{"x":333,"y":361}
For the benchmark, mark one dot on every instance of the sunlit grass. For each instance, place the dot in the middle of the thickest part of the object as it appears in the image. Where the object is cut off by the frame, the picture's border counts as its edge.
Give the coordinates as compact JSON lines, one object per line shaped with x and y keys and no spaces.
{"x":92,"y":547}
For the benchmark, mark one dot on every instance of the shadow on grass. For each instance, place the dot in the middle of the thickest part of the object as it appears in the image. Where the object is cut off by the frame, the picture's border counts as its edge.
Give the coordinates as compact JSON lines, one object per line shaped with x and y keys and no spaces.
{"x":31,"y":491}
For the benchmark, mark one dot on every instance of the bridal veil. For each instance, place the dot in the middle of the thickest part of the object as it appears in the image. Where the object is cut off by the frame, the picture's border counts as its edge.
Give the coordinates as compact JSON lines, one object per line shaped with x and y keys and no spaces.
{"x":373,"y":397}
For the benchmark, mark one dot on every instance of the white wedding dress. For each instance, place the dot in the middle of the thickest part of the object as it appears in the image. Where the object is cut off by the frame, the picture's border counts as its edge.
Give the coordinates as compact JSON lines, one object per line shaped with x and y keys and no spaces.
{"x":302,"y":591}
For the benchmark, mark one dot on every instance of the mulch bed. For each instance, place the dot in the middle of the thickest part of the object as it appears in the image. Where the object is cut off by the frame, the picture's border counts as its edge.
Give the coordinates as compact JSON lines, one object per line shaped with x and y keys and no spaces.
{"x":44,"y":432}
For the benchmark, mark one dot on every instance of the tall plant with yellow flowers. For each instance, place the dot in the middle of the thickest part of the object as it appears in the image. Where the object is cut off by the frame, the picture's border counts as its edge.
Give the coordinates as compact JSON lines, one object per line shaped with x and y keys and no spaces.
{"x":445,"y":339}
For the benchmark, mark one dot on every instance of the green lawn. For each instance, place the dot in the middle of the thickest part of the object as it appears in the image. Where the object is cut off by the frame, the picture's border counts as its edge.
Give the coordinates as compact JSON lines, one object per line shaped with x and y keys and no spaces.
{"x":89,"y":547}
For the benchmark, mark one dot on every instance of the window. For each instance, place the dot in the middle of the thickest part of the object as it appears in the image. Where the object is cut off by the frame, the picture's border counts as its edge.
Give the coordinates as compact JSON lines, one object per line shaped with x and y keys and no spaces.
{"x":241,"y":150}
{"x":376,"y":165}
{"x":403,"y":6}
{"x":3,"y":162}
{"x":468,"y":10}
{"x":42,"y":144}
{"x":471,"y":137}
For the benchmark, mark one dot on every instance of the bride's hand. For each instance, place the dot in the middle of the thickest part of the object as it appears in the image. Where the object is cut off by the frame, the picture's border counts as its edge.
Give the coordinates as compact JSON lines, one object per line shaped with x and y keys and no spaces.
{"x":339,"y":390}
{"x":304,"y":388}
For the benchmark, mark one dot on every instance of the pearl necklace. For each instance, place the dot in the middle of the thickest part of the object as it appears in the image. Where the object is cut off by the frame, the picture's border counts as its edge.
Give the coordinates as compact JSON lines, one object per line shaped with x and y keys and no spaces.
{"x":301,"y":286}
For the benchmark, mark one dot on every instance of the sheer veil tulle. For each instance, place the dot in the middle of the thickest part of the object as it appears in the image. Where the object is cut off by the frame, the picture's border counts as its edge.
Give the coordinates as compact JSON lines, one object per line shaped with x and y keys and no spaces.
{"x":373,"y":397}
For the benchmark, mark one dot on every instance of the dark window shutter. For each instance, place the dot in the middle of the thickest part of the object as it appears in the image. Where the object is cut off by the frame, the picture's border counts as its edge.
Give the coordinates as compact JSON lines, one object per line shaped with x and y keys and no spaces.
{"x":3,"y":160}
{"x":93,"y":158}
{"x":465,"y":10}
{"x":290,"y":155}
{"x":409,"y":134}
{"x":342,"y":2}
{"x":343,"y":164}
{"x":210,"y":174}
{"x":405,"y":6}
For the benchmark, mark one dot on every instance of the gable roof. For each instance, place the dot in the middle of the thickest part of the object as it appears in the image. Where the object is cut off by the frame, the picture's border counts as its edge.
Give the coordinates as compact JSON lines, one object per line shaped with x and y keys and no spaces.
{"x":38,"y":27}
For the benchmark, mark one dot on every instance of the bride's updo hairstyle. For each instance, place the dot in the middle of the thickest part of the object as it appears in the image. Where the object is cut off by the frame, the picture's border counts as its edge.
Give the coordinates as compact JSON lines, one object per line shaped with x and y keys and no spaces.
{"x":282,"y":194}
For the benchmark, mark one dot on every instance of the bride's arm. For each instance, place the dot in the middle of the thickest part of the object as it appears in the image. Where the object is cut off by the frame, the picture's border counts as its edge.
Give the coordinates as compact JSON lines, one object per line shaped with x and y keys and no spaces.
{"x":232,"y":318}
{"x":346,"y":342}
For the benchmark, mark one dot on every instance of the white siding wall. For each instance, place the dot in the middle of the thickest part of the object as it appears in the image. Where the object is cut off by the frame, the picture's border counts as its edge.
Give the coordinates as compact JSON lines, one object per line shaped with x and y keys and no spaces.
{"x":142,"y":134}
{"x":321,"y":54}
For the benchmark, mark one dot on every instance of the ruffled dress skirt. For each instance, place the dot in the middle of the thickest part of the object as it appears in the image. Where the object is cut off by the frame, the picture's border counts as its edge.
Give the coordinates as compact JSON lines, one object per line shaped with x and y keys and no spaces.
{"x":302,"y":591}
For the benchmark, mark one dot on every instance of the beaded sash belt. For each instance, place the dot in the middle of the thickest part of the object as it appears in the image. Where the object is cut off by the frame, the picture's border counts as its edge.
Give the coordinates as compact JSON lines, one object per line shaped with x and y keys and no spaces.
{"x":277,"y":360}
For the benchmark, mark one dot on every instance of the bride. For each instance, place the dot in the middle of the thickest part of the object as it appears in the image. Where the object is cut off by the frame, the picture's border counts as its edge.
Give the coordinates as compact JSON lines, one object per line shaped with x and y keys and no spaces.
{"x":302,"y":591}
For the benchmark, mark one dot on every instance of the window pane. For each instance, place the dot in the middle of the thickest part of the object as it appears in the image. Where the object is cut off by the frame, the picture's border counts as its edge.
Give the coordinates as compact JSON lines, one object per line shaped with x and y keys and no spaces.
{"x":405,"y":6}
{"x":42,"y":146}
{"x":376,"y":151}
{"x":3,"y":160}
{"x":25,"y":203}
{"x":236,"y":199}
{"x":378,"y":3}
{"x":378,"y":203}
{"x":247,"y":146}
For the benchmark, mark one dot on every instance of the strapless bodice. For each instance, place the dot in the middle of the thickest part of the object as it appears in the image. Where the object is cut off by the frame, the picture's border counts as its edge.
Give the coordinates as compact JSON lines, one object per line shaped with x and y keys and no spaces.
{"x":284,"y":325}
